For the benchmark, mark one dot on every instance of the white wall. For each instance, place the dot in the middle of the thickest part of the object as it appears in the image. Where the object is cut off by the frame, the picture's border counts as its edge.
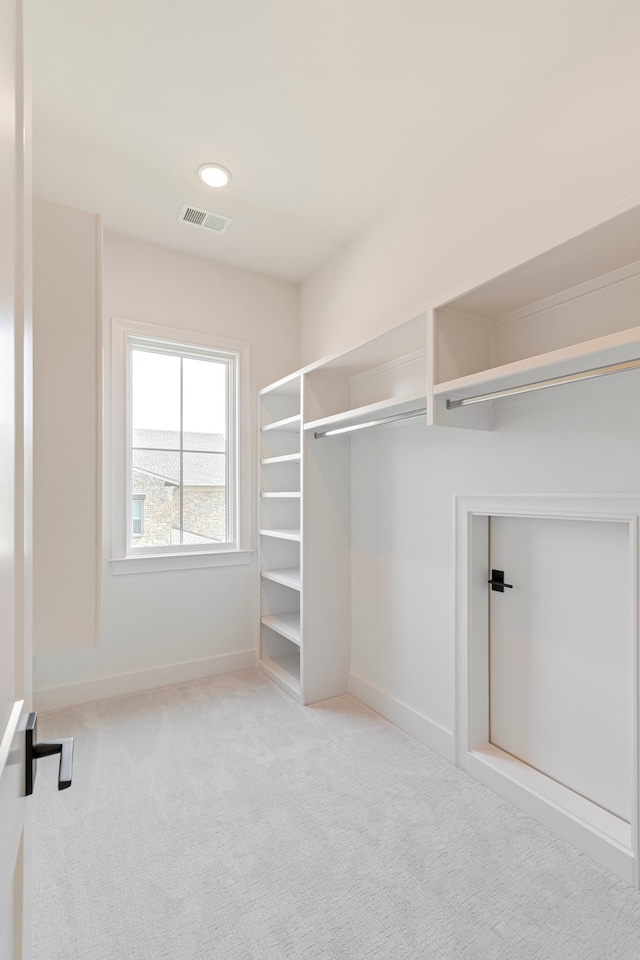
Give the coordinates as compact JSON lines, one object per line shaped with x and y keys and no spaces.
{"x":67,"y":289}
{"x":546,"y":169}
{"x":560,"y":155}
{"x":155,"y":623}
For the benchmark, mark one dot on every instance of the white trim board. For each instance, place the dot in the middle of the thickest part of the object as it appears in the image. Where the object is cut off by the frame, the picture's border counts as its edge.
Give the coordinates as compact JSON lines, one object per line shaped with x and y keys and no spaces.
{"x":427,"y":731}
{"x":102,"y":688}
{"x":574,"y":819}
{"x":593,"y":831}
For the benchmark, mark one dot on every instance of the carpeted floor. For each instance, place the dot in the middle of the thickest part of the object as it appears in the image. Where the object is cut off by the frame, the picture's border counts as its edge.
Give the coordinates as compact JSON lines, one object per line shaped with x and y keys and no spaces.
{"x":218,"y":820}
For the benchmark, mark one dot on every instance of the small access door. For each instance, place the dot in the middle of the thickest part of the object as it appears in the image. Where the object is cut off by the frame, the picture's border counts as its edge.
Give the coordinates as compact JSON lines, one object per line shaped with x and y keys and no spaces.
{"x":559,"y":652}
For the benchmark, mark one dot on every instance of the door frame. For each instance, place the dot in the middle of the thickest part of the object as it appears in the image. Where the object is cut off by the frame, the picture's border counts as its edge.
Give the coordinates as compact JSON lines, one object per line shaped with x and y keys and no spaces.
{"x":16,"y":335}
{"x":596,"y":832}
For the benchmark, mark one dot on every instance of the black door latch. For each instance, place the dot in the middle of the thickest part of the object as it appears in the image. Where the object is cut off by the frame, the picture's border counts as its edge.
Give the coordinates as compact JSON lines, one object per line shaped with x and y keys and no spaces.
{"x":497,"y":581}
{"x":46,"y":749}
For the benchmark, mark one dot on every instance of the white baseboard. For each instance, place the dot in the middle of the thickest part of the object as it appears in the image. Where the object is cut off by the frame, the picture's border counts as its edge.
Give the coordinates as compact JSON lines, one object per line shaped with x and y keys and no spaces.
{"x":586,"y":826}
{"x":415,"y":724}
{"x":102,"y":688}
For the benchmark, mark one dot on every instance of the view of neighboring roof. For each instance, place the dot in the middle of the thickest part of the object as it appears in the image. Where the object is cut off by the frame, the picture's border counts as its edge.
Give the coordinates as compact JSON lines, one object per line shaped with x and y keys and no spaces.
{"x":170,"y":440}
{"x":157,"y":452}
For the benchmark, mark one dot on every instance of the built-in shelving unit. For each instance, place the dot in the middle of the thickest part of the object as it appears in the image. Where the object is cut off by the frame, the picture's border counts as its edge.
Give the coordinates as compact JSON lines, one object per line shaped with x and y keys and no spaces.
{"x":570,"y":310}
{"x":305,"y":497}
{"x":281,"y":533}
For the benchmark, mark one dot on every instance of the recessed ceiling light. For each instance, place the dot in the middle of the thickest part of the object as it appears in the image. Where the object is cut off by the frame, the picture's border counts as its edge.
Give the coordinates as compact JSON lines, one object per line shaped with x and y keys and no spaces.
{"x":214,"y":175}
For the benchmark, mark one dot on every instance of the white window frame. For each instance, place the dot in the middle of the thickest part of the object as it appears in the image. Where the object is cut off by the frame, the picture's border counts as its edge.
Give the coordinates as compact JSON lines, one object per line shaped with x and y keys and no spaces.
{"x":125,"y":556}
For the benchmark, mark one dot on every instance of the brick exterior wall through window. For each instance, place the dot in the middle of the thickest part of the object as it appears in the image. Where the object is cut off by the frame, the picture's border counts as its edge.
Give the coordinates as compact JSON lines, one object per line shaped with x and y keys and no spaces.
{"x":204,"y":512}
{"x":156,"y":474}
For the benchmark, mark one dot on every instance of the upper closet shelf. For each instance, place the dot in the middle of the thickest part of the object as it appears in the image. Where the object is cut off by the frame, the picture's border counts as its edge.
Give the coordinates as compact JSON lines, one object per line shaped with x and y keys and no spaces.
{"x":382,"y":409}
{"x":566,"y":315}
{"x":569,"y":361}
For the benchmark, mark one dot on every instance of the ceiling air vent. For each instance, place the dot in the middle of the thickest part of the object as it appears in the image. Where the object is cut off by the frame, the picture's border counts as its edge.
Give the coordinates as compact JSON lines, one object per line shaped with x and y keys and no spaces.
{"x":213,"y":222}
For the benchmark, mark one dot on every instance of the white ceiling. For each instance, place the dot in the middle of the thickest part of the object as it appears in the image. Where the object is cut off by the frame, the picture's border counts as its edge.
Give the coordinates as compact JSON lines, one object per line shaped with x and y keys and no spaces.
{"x":323,"y":111}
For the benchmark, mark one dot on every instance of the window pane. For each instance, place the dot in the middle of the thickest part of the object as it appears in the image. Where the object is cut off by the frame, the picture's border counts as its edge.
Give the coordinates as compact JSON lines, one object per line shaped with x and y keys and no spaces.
{"x":204,"y":498}
{"x":156,"y":476}
{"x":155,"y":398}
{"x":204,"y":403}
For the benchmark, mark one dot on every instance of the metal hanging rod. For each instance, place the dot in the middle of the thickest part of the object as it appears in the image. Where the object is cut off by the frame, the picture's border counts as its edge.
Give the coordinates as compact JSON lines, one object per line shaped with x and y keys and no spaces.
{"x":369,"y":423}
{"x":545,"y":384}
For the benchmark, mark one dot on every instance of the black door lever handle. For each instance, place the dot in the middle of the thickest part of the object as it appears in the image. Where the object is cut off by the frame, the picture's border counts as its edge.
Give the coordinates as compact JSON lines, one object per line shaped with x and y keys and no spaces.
{"x":497,"y":581}
{"x":35,"y":750}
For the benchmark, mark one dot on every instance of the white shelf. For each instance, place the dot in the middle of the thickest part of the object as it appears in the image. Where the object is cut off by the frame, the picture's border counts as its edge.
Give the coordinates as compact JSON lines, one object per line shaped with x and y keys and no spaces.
{"x":286,"y":624}
{"x":289,"y":424}
{"x":288,"y":576}
{"x":287,"y":458}
{"x":372,"y":411}
{"x":285,"y":671}
{"x":283,"y":534}
{"x":288,"y":386}
{"x":405,"y":339}
{"x":609,"y":246}
{"x":283,"y":495}
{"x":612,"y":348}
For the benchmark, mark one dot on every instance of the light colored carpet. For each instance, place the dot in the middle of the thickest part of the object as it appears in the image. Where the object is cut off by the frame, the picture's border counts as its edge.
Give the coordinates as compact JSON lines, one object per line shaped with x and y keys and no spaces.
{"x":219,"y":820}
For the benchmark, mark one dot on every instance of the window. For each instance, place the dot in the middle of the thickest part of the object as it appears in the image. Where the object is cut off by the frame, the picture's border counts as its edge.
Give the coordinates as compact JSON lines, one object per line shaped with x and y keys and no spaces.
{"x":177,"y":473}
{"x":182,"y":445}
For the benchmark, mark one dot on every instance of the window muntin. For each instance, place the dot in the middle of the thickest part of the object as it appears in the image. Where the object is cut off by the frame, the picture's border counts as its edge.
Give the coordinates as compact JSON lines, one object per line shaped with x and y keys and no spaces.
{"x":182,"y":446}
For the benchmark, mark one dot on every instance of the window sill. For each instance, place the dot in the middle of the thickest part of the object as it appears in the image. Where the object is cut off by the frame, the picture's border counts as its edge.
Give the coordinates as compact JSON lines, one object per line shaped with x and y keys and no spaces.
{"x":156,"y":563}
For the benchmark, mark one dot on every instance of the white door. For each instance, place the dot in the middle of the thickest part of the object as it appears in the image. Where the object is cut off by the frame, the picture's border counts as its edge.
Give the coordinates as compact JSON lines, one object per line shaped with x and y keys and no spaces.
{"x":559,"y":650}
{"x":15,"y":447}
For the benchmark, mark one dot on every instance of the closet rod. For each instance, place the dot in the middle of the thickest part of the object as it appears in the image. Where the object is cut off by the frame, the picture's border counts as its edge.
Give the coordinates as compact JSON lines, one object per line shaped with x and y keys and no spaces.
{"x":369,"y":423}
{"x":544,"y":384}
